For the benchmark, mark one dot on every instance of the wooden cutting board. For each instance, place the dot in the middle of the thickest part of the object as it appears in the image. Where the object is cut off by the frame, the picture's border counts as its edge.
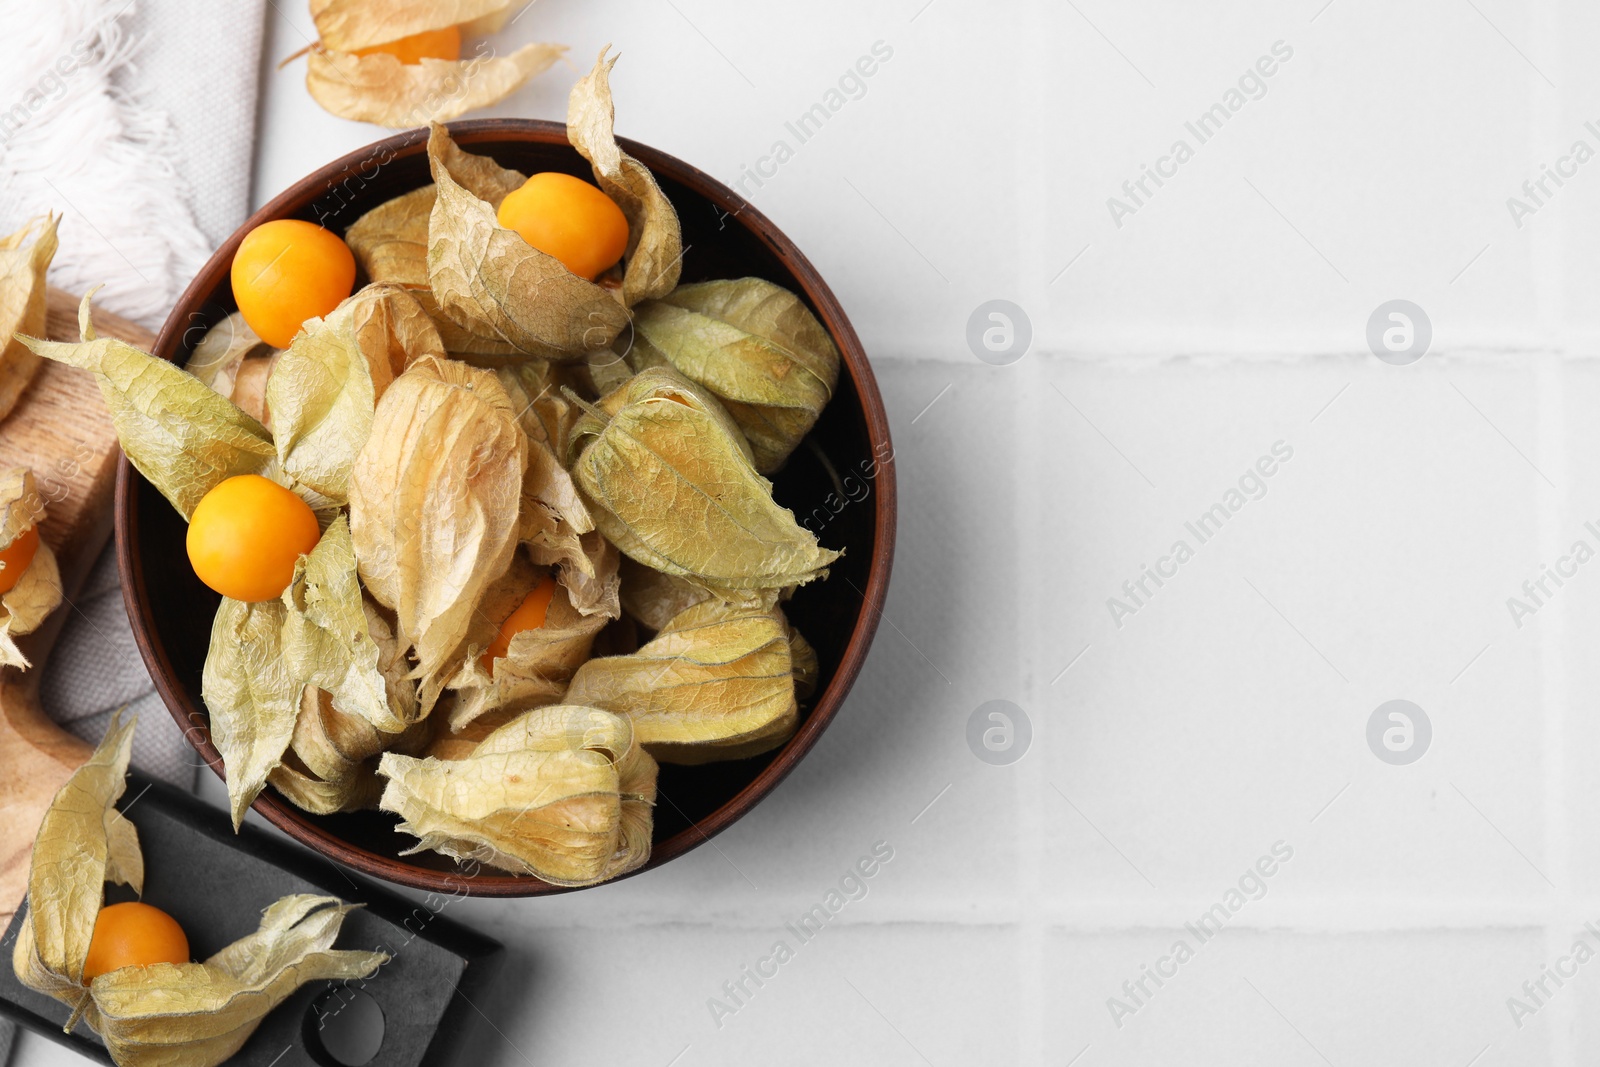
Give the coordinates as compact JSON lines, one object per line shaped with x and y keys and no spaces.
{"x":62,"y":432}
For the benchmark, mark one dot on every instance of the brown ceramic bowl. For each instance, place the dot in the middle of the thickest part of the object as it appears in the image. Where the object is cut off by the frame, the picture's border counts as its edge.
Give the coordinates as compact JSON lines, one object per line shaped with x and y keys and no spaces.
{"x":840,"y":483}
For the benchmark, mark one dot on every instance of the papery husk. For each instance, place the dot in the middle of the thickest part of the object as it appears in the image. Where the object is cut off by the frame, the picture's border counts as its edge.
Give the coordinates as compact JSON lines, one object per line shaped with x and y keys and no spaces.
{"x":555,"y":523}
{"x":655,"y":599}
{"x":434,"y":500}
{"x":162,"y":1015}
{"x":252,"y":695}
{"x":350,"y":25}
{"x":21,"y":504}
{"x":655,"y":246}
{"x":173,"y":428}
{"x":224,"y":348}
{"x":606,"y":370}
{"x":537,"y":665}
{"x":327,"y":637}
{"x":593,"y":580}
{"x":716,"y":683}
{"x":543,"y":411}
{"x":382,"y":90}
{"x":753,"y":344}
{"x":38,"y":590}
{"x":669,"y":484}
{"x":200,"y":1014}
{"x":22,"y":304}
{"x":390,"y":242}
{"x":807,"y":668}
{"x":324,"y":388}
{"x":24,"y":609}
{"x":357,"y":790}
{"x":553,"y":519}
{"x":496,"y":286}
{"x":82,"y":843}
{"x":562,"y":793}
{"x":332,"y":762}
{"x":250,"y":386}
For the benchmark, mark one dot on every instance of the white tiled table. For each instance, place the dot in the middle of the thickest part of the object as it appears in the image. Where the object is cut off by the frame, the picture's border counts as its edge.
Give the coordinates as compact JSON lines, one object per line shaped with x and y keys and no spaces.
{"x":1226,"y":314}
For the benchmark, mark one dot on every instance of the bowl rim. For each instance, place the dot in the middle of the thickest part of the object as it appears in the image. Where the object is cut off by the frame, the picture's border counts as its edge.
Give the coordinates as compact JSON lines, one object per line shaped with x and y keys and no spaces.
{"x":193,"y":720}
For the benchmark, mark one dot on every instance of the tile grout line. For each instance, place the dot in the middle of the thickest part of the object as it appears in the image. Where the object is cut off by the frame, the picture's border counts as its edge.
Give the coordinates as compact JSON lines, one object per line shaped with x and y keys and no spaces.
{"x":1549,"y":374}
{"x":1553,"y":692}
{"x":1032,"y":293}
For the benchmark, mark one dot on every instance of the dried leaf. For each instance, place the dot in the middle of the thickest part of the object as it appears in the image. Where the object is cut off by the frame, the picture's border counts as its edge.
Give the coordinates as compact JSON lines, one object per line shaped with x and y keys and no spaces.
{"x":753,"y":344}
{"x":496,"y":286}
{"x":538,"y":664}
{"x":433,"y":505}
{"x":390,"y":242}
{"x":655,"y":245}
{"x":250,"y":386}
{"x":252,"y":695}
{"x":716,"y":683}
{"x":70,"y":866}
{"x":655,"y":599}
{"x":562,"y":793}
{"x":324,"y":388}
{"x":21,"y":504}
{"x":22,"y":304}
{"x":332,"y":762}
{"x":555,"y":523}
{"x":380,"y":89}
{"x":359,"y":790}
{"x":200,"y":1014}
{"x":592,"y":580}
{"x":326,"y":638}
{"x":807,"y":669}
{"x":24,"y":609}
{"x":544,"y":413}
{"x":668,"y":484}
{"x":348,"y":25}
{"x":225,"y":346}
{"x":174,"y":429}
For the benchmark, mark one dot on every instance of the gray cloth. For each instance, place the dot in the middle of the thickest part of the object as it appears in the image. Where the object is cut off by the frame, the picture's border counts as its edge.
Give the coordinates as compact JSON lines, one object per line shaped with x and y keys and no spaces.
{"x":95,"y":669}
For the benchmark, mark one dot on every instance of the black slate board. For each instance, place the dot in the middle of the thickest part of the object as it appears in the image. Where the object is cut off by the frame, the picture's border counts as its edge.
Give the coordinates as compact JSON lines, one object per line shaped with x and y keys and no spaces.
{"x":216,"y":884}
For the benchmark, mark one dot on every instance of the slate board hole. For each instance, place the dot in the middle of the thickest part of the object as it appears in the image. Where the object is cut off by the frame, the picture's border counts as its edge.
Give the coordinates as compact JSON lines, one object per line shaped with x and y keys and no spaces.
{"x":345,"y":1026}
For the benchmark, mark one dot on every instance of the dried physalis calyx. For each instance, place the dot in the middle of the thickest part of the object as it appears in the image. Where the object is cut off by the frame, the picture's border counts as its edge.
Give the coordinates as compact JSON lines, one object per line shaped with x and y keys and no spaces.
{"x":752,"y":343}
{"x":335,"y":640}
{"x":22,"y":304}
{"x":399,"y":62}
{"x":525,"y":642}
{"x":323,"y":390}
{"x":30,"y":586}
{"x":655,"y":243}
{"x":718,"y":682}
{"x":235,"y":362}
{"x":173,"y":428}
{"x":562,"y":793}
{"x":668,"y":478}
{"x":251,"y":693}
{"x":434,"y":498}
{"x":495,"y":286}
{"x":390,"y":242}
{"x":332,"y":761}
{"x":165,"y":1014}
{"x":355,"y":694}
